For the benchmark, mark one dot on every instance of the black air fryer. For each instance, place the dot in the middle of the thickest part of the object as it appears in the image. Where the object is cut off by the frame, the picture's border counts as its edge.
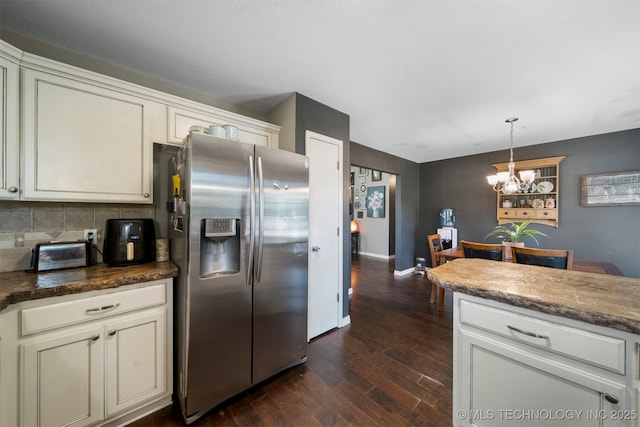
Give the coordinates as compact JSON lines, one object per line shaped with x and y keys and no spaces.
{"x":129,"y":241}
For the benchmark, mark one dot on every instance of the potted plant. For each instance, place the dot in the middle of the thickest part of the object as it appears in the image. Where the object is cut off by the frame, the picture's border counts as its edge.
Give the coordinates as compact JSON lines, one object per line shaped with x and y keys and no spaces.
{"x":513,"y":234}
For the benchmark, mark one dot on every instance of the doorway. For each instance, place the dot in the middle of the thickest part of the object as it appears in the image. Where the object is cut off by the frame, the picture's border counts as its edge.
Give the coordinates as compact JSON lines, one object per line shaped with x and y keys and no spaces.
{"x":376,"y":229}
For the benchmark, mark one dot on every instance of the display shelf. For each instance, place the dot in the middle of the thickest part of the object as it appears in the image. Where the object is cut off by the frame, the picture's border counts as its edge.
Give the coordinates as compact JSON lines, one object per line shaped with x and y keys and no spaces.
{"x":539,"y":207}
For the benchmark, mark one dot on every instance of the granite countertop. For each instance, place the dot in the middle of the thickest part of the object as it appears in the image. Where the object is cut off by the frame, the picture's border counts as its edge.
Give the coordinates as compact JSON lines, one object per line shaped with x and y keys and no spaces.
{"x":599,"y":299}
{"x":20,"y":286}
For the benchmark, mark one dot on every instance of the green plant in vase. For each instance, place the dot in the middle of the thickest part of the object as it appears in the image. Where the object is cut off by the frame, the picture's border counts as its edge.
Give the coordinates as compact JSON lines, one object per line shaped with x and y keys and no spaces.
{"x":516,"y":233}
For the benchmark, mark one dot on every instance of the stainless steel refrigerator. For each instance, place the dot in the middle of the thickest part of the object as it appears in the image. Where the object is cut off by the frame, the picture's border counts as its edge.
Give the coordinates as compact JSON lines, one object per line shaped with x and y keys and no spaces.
{"x":239,"y":225}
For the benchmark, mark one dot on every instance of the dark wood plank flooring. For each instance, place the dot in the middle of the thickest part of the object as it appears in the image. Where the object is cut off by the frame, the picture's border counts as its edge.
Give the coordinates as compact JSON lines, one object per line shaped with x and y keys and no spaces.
{"x":392,"y":366}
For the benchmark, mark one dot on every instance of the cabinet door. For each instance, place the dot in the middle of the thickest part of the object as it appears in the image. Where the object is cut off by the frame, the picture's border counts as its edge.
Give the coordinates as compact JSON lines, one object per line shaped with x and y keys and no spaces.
{"x":62,"y":379}
{"x":136,"y":355}
{"x":9,"y":107}
{"x":503,"y":385}
{"x":84,"y":142}
{"x":180,"y":120}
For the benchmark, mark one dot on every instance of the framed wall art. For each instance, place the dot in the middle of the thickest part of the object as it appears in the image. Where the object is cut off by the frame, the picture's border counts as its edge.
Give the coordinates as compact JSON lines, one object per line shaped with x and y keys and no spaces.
{"x":376,"y":175}
{"x":610,"y":189}
{"x":363,"y":172}
{"x":375,"y":202}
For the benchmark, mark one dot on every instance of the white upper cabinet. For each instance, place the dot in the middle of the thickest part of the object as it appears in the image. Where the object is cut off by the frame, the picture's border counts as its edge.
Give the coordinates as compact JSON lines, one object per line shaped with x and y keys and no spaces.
{"x":9,"y":121}
{"x":74,"y":135}
{"x":251,"y":131}
{"x":84,"y":142}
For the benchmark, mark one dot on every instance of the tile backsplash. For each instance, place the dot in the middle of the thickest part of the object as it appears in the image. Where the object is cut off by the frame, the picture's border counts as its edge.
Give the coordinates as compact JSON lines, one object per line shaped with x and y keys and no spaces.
{"x":25,"y":224}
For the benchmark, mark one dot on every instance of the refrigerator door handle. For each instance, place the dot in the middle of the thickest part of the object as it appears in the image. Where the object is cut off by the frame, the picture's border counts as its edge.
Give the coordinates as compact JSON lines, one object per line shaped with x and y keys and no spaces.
{"x":252,"y":216}
{"x":260,"y":220}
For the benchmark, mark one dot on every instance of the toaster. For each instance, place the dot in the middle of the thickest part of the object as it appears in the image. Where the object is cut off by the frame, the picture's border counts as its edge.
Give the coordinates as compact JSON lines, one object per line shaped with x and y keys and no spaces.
{"x":57,"y":255}
{"x":129,"y":241}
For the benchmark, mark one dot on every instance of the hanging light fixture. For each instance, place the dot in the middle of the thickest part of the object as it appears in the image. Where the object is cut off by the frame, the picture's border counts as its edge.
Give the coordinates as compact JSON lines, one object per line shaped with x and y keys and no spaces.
{"x":508,"y":182}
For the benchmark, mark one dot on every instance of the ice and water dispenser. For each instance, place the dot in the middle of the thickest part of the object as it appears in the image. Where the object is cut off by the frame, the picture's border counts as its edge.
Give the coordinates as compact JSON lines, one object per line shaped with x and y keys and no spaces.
{"x":219,"y":246}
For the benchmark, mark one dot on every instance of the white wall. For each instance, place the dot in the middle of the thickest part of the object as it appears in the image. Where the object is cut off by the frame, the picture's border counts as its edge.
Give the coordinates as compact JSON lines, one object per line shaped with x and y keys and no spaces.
{"x":374,"y":232}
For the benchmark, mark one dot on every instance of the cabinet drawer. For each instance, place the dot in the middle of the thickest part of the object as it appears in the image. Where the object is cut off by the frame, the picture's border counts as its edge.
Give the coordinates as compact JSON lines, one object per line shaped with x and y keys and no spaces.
{"x":547,"y":213}
{"x":589,"y":347}
{"x":526,"y":213}
{"x":39,"y":319}
{"x":506,"y":213}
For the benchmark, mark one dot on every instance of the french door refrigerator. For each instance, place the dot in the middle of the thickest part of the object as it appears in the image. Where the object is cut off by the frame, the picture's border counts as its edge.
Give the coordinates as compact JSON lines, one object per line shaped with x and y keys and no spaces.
{"x":239,"y":226}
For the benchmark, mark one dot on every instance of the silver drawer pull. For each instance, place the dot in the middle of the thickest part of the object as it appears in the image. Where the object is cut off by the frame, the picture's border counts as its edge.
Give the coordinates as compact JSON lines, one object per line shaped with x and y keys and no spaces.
{"x":527,"y":333}
{"x":103,"y":308}
{"x":95,"y":337}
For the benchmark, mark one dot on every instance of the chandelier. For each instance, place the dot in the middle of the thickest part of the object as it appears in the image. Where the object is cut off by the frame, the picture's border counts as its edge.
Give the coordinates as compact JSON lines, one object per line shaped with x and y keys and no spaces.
{"x":508,"y":182}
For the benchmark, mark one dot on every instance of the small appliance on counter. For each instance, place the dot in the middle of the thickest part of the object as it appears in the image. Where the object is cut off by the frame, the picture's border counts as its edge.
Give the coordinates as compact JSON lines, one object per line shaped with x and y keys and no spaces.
{"x":58,"y":255}
{"x":128,"y":241}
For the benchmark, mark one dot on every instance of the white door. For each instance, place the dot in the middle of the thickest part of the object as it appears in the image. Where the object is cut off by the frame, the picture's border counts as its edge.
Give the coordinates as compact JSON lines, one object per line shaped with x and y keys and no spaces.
{"x":325,"y":233}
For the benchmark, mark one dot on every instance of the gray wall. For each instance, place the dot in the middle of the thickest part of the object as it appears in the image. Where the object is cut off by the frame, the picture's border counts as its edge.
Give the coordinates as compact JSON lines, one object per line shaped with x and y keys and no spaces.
{"x":316,"y":117}
{"x":608,"y":234}
{"x":55,"y":53}
{"x":407,"y":216}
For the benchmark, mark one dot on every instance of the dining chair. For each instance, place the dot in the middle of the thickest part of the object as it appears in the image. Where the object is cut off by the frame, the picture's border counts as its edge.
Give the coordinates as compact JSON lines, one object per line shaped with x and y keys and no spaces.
{"x":435,"y":244}
{"x":554,"y":258}
{"x":490,"y":251}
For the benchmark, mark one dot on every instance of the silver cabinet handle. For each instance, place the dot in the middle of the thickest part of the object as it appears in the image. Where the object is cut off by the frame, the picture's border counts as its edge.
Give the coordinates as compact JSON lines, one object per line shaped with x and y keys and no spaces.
{"x":146,"y":195}
{"x":315,"y":248}
{"x":103,"y":308}
{"x":611,"y":398}
{"x":95,"y":337}
{"x":112,"y":332}
{"x":527,"y":333}
{"x":12,"y":189}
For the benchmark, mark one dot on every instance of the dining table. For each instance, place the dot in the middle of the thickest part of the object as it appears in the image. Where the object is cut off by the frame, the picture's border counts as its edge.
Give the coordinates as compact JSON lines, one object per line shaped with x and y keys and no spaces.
{"x":578,"y":264}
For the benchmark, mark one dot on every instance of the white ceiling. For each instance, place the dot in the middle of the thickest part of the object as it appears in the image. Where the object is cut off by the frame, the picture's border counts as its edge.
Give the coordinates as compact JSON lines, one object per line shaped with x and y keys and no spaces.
{"x":423,"y":80}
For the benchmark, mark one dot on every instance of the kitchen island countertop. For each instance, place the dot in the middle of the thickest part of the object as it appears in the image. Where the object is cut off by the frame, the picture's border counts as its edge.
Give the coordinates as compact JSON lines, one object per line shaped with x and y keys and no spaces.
{"x":599,"y":299}
{"x":21,"y":286}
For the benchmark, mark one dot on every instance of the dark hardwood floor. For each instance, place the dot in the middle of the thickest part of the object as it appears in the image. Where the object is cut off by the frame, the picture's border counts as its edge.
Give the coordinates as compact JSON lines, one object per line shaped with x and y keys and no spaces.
{"x":392,"y":366}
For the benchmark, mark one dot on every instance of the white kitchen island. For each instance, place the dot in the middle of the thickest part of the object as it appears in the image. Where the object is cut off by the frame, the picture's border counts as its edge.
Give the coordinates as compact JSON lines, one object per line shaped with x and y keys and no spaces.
{"x":536,"y":346}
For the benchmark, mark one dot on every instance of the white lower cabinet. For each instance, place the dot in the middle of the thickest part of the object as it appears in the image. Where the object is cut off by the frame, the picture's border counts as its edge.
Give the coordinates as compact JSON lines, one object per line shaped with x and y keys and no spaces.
{"x":135,"y":360}
{"x":101,"y":360}
{"x":62,"y":379}
{"x":514,"y":369}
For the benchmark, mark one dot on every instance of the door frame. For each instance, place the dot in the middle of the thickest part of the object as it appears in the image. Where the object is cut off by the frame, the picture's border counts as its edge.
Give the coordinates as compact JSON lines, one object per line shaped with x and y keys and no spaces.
{"x":308,"y":137}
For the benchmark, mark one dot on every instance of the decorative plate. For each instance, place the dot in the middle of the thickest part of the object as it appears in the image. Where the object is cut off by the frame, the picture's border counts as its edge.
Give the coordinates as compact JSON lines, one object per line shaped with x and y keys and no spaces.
{"x":544,"y":187}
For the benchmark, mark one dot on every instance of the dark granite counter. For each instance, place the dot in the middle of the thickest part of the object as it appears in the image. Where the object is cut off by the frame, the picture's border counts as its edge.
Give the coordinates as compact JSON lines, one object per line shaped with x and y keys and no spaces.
{"x":21,"y":286}
{"x":599,"y":299}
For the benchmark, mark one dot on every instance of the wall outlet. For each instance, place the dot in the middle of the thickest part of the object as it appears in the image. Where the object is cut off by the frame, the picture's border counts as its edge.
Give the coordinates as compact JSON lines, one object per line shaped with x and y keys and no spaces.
{"x":91,"y":235}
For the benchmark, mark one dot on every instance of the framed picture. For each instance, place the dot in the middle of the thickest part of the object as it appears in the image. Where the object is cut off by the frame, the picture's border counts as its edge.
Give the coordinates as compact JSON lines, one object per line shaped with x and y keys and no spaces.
{"x":611,"y":189}
{"x":363,"y":172}
{"x":375,"y":202}
{"x":376,"y":175}
{"x":360,"y":214}
{"x":352,"y":179}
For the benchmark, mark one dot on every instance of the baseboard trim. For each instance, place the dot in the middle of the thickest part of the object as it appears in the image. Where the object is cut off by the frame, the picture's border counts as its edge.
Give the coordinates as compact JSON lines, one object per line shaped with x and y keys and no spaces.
{"x":406,"y":272}
{"x":345,"y":321}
